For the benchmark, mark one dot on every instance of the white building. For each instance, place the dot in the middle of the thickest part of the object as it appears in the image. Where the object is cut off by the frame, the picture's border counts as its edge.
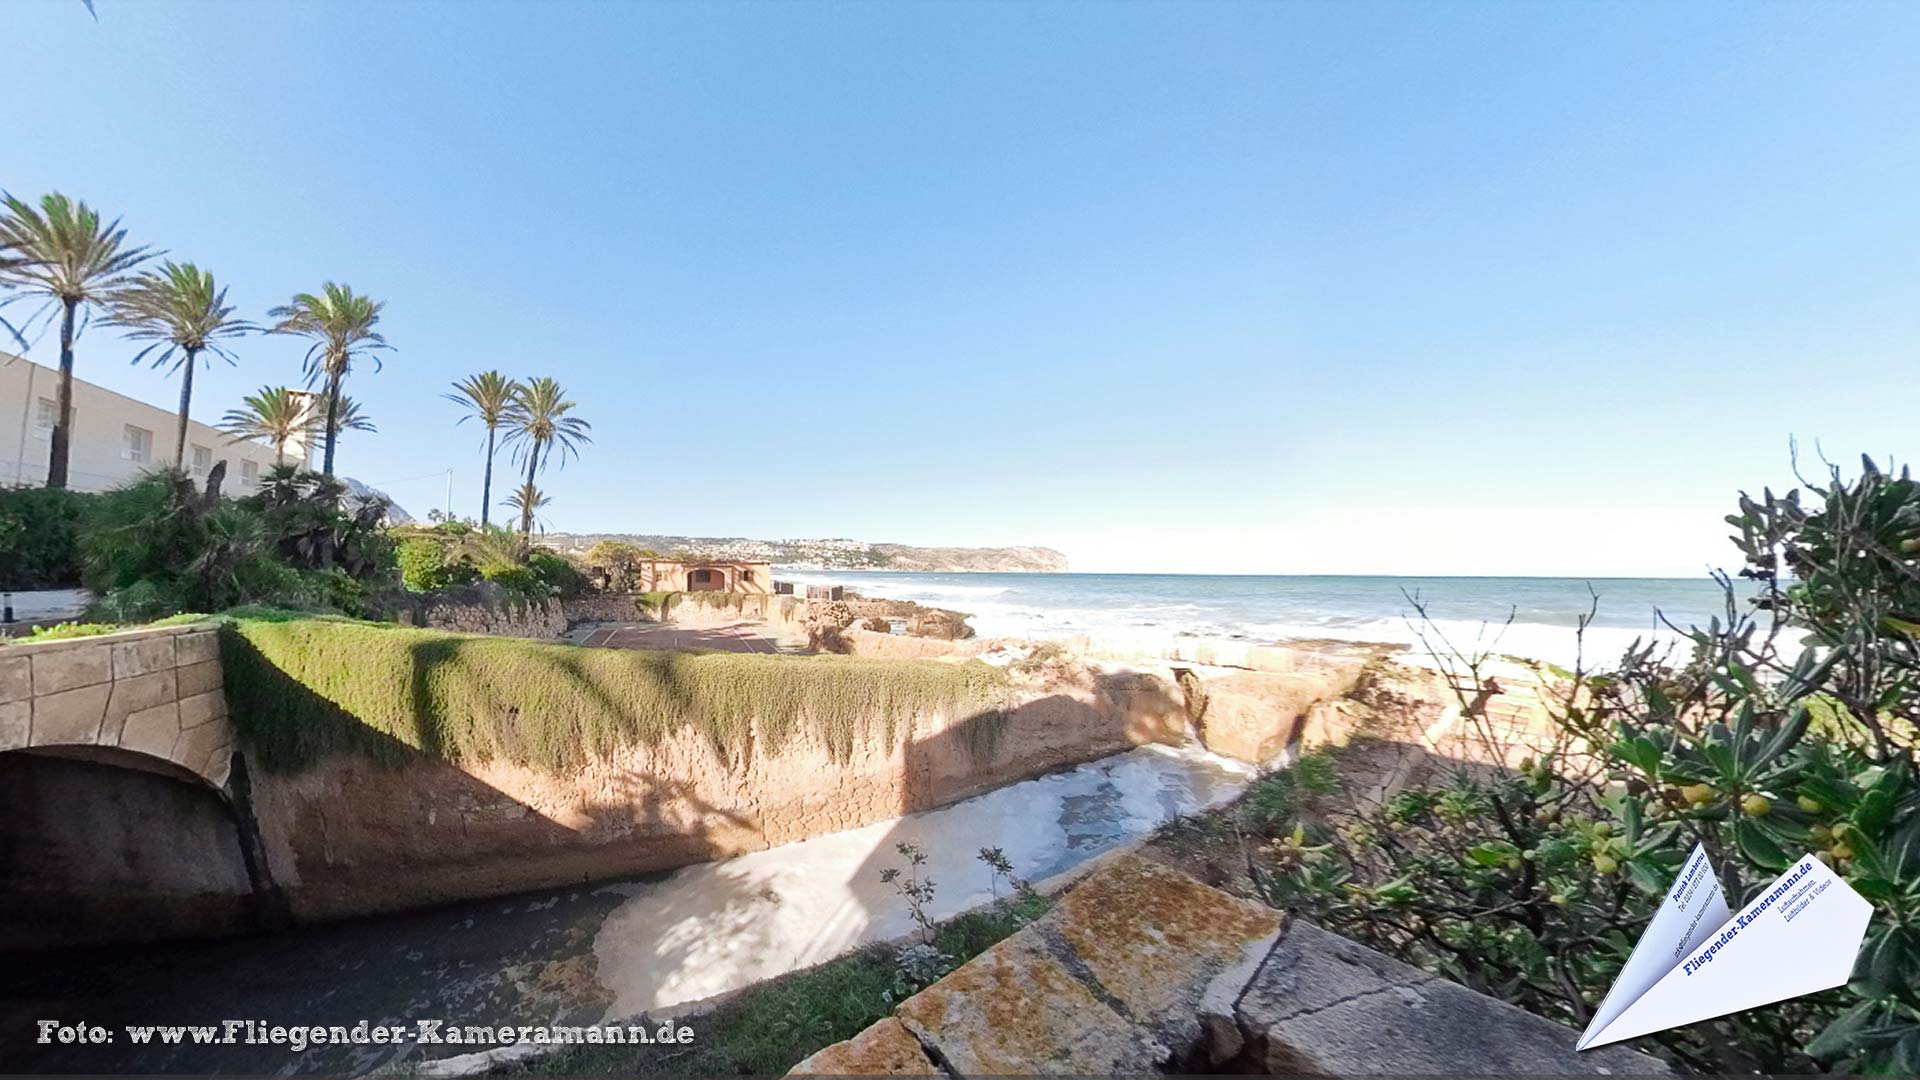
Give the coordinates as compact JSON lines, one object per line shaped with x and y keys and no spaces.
{"x":114,"y":437}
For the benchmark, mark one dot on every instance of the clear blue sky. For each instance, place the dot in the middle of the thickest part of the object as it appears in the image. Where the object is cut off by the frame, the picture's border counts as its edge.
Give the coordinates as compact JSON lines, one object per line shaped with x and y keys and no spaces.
{"x":1277,"y":287}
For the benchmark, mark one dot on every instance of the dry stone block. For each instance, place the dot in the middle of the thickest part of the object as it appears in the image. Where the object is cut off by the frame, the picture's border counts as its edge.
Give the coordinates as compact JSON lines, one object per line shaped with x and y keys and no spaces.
{"x":16,"y":724}
{"x":202,"y":708}
{"x":197,"y":647}
{"x":1162,"y":946}
{"x":67,"y":668}
{"x":1322,"y":1005}
{"x":16,"y":678}
{"x":199,"y":678}
{"x":884,"y":1049}
{"x":1016,"y":1010}
{"x":142,"y":655}
{"x":196,"y":743}
{"x":71,"y":717}
{"x":152,"y":731}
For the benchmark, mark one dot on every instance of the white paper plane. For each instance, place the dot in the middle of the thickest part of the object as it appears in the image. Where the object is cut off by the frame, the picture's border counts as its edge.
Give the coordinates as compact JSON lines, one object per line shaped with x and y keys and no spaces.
{"x":1797,"y":935}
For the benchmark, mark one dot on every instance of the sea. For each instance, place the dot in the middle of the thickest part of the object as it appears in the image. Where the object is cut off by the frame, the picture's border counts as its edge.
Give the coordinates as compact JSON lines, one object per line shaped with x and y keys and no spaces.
{"x":1471,"y":613}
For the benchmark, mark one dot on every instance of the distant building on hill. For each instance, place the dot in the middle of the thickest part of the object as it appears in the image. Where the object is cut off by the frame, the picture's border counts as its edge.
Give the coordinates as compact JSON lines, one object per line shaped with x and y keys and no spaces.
{"x":691,"y":574}
{"x":114,"y":437}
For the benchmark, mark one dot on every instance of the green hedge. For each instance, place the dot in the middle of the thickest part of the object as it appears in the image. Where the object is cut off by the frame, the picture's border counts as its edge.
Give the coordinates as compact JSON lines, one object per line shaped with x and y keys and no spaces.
{"x":300,"y":689}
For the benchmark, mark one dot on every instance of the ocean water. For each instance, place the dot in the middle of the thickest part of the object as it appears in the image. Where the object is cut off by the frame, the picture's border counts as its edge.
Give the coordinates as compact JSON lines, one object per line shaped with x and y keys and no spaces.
{"x":1269,"y":608}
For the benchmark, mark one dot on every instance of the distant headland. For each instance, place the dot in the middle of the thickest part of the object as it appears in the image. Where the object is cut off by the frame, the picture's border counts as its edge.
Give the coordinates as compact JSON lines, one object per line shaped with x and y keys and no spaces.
{"x":834,"y":554}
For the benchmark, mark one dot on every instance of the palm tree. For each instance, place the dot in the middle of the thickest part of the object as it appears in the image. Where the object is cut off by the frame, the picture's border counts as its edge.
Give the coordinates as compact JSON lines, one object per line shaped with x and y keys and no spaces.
{"x":276,"y":414}
{"x":526,"y":499}
{"x":64,"y":253}
{"x":491,"y":398}
{"x":348,"y":418}
{"x":180,"y":309}
{"x":540,"y":425}
{"x":341,"y":323}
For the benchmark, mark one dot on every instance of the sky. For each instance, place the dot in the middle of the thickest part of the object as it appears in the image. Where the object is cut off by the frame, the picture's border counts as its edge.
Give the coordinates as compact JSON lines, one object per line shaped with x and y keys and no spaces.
{"x":1469,"y":288}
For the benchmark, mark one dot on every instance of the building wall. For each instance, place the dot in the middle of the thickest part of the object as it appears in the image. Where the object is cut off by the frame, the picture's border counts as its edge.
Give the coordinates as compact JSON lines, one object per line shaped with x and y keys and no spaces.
{"x":722,"y":576}
{"x":103,"y":454}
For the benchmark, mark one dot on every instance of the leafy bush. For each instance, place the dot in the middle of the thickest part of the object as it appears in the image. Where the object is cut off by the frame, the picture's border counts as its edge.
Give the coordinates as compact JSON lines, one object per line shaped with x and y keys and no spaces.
{"x":556,"y":572}
{"x":1787,"y":727}
{"x":427,"y":566}
{"x":39,"y":537}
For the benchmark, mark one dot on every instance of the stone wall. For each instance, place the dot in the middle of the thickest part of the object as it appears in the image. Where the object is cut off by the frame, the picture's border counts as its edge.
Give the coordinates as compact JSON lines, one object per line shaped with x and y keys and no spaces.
{"x":349,"y":837}
{"x":1140,"y":969}
{"x":154,"y":694}
{"x":542,"y":619}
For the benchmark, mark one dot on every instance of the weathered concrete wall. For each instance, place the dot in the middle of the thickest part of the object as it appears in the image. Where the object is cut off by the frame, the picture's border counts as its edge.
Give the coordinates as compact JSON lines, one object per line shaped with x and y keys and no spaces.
{"x":92,"y":851}
{"x":154,"y":692}
{"x":348,"y":837}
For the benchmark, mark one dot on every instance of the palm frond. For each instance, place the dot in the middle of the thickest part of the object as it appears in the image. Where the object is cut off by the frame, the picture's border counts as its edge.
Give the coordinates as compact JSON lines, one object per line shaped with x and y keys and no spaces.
{"x":181,"y":310}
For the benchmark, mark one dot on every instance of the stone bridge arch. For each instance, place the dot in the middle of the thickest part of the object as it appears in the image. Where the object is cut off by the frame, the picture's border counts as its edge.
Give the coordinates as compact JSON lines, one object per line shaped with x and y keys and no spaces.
{"x":150,"y":698}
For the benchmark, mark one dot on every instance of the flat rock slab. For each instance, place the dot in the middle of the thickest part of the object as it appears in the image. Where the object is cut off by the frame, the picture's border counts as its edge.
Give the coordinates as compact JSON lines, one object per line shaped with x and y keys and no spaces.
{"x":1016,"y":1010}
{"x":1323,"y":1005}
{"x":1161,"y":947}
{"x":884,"y":1049}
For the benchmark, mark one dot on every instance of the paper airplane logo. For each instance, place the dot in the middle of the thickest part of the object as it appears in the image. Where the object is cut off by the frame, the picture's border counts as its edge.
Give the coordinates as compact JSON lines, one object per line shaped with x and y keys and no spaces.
{"x":1696,"y":961}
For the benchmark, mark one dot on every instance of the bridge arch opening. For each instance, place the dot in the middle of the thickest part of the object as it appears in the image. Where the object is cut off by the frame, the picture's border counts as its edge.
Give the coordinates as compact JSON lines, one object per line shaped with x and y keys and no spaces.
{"x":101,"y":844}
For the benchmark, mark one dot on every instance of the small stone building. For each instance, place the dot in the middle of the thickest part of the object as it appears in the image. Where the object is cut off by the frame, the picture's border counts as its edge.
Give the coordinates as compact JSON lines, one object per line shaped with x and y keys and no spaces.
{"x":702,"y":575}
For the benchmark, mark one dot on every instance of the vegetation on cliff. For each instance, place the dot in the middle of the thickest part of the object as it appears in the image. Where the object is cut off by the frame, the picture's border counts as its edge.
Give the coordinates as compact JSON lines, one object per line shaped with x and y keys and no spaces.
{"x":302,"y":688}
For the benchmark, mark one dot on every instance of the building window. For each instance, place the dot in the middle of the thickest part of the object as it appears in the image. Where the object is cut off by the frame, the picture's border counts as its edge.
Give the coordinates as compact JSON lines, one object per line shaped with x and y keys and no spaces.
{"x":202,"y":459}
{"x":43,"y":416}
{"x":138,"y":447}
{"x":249,"y":472}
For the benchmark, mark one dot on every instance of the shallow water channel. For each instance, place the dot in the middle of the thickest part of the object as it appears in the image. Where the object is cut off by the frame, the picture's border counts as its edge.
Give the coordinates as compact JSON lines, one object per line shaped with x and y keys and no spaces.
{"x":582,"y":955}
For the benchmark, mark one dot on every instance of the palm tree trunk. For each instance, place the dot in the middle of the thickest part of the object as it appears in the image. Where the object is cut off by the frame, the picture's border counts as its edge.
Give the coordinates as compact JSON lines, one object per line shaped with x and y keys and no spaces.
{"x":526,"y":511}
{"x":186,"y":399}
{"x":333,"y":408}
{"x":486,"y":484}
{"x":60,"y":445}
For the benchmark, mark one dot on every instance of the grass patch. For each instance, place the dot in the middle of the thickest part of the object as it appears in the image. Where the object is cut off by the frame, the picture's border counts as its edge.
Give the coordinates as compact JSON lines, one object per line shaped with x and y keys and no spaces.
{"x":302,"y":688}
{"x":68,"y":630}
{"x":767,"y":1030}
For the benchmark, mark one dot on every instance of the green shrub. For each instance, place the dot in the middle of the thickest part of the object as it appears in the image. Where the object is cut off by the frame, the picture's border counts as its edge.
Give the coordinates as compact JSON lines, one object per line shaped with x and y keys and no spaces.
{"x":556,"y":572}
{"x":518,"y":580}
{"x":303,"y":689}
{"x":1790,"y":727}
{"x":39,"y":537}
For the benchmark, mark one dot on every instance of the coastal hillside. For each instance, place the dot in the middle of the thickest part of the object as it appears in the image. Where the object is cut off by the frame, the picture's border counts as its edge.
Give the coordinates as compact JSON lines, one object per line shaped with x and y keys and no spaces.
{"x":836,"y":554}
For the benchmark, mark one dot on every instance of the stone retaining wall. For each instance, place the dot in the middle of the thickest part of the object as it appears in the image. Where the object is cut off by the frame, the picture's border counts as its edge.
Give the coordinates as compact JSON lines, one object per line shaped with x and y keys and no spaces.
{"x":154,"y":694}
{"x":541,"y":619}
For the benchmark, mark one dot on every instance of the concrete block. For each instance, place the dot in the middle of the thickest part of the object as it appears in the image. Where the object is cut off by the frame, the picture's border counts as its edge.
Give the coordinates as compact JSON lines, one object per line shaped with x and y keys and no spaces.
{"x":142,"y":656}
{"x":199,"y":678}
{"x":69,"y":718}
{"x":190,"y":751}
{"x":886,"y":1048}
{"x":132,"y":695}
{"x":1322,"y":1005}
{"x":1016,"y":1010}
{"x":16,"y":678}
{"x":16,"y":724}
{"x":202,"y":708}
{"x":152,"y":731}
{"x":219,"y":765}
{"x":67,"y":668}
{"x":197,"y":647}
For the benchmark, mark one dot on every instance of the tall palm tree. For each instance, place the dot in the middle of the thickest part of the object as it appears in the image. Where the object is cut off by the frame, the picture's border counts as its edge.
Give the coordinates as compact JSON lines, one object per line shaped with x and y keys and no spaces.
{"x":341,"y":323}
{"x":526,"y":499}
{"x":65,"y":254}
{"x":185,"y":315}
{"x":541,"y":425}
{"x":277,"y":414}
{"x":347,"y":418}
{"x":491,"y":398}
